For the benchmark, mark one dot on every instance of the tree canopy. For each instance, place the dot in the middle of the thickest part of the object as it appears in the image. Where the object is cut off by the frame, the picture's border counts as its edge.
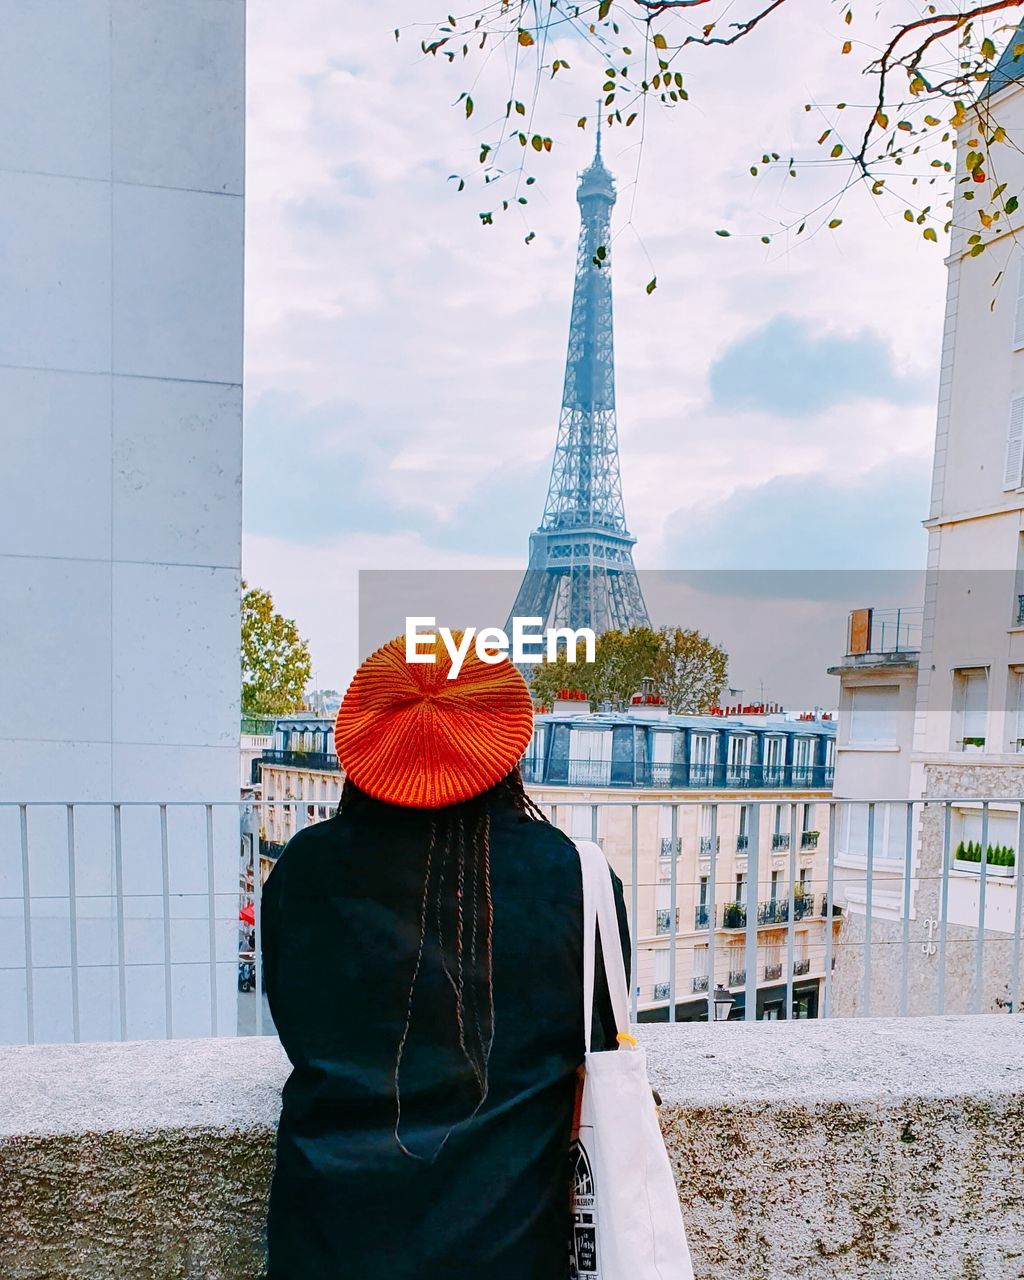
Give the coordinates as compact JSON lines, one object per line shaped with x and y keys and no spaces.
{"x":687,"y":669}
{"x":276,"y":664}
{"x":926,"y":68}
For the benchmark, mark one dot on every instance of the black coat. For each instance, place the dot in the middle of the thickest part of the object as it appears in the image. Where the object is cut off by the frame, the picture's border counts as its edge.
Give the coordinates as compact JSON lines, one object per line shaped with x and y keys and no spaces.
{"x":340,"y":920}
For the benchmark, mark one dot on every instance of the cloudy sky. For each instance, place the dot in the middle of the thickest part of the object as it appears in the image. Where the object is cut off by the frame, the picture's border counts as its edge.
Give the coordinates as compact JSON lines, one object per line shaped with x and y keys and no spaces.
{"x":404,"y":363}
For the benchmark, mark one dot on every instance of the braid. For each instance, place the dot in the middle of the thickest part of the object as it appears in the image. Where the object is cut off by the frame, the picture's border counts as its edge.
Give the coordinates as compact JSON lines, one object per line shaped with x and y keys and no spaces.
{"x":460,"y":834}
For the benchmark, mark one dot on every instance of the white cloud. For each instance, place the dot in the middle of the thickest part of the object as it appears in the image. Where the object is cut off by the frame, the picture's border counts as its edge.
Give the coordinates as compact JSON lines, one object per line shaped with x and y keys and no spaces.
{"x":433,"y":348}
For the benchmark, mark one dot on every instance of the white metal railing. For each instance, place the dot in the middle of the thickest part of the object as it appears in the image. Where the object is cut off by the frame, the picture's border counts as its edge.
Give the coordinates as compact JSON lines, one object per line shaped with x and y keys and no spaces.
{"x":139,"y":920}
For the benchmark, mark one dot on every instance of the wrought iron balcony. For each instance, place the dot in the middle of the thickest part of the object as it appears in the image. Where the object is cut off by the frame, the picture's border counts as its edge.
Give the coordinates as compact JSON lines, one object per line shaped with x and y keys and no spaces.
{"x":321,"y":761}
{"x":662,"y":990}
{"x":677,"y":776}
{"x":734,"y":915}
{"x":742,"y":843}
{"x":670,"y":846}
{"x":801,"y":967}
{"x":699,"y":982}
{"x":737,"y":977}
{"x":701,"y":919}
{"x":772,"y":972}
{"x":705,"y":845}
{"x":780,"y":840}
{"x":663,"y":920}
{"x":774,"y":911}
{"x":1019,"y":619}
{"x":809,"y":839}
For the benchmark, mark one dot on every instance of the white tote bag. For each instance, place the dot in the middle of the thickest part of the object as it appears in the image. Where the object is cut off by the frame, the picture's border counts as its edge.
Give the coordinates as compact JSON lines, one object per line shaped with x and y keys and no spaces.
{"x":627,"y":1224}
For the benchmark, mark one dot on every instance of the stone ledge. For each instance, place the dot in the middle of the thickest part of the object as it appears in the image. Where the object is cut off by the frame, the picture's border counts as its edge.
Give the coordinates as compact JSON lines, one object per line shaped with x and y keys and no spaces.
{"x":870,"y":1148}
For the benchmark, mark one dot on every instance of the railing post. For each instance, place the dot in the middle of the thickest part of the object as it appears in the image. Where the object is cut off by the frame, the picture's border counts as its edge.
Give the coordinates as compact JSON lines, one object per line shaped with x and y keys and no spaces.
{"x":833,"y":817}
{"x":753,"y":887}
{"x":944,"y":908}
{"x":1018,"y":922}
{"x":76,"y":1013}
{"x":26,"y":909}
{"x":634,"y":904}
{"x":165,"y":888}
{"x":712,"y":914}
{"x":905,"y":947}
{"x":122,"y":989}
{"x":791,"y":925}
{"x":673,"y":936}
{"x":212,"y":909}
{"x":979,"y":944}
{"x":869,"y":888}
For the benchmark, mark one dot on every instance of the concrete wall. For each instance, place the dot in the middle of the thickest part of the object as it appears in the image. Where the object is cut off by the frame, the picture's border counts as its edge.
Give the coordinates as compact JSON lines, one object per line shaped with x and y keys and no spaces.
{"x":121,"y":276}
{"x":867,"y":1149}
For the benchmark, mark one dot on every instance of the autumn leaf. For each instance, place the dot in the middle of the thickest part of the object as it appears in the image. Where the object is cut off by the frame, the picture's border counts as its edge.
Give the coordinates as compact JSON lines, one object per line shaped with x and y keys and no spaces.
{"x":659,"y":41}
{"x":525,"y":39}
{"x":847,"y":46}
{"x":835,"y":222}
{"x":929,"y":234}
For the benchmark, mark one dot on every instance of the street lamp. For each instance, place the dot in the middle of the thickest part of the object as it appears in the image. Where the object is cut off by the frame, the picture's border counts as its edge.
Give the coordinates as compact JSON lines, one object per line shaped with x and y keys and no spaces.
{"x":723,"y":1003}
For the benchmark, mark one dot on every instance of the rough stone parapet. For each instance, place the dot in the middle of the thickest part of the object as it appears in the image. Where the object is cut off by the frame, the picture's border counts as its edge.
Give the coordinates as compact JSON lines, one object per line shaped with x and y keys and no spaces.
{"x":864,"y":1148}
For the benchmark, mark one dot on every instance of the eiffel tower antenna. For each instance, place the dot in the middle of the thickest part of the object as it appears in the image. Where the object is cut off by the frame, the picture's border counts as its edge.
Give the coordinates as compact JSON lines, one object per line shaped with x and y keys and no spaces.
{"x":581,"y":571}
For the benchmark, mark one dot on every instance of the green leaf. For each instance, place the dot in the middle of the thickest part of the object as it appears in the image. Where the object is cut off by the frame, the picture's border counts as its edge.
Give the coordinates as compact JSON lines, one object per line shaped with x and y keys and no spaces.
{"x":723,"y":233}
{"x":835,"y":222}
{"x":531,"y":236}
{"x":766,"y":239}
{"x":469,"y":106}
{"x":652,"y":284}
{"x":603,"y":9}
{"x":537,"y":142}
{"x":1011,"y":204}
{"x":929,"y":234}
{"x":836,"y":151}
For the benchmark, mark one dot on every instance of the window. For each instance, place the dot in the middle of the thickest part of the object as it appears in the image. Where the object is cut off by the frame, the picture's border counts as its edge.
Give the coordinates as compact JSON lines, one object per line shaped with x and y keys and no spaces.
{"x":703,"y":891}
{"x":1014,"y":441}
{"x":873,"y":713}
{"x":702,"y":757}
{"x":890,"y":837}
{"x":700,"y":961}
{"x":802,"y":749}
{"x":741,"y":889}
{"x":581,"y":819}
{"x":744,"y":819}
{"x":590,"y":744}
{"x":1016,"y":688}
{"x":775,"y":885}
{"x":662,"y":972}
{"x":662,"y":748}
{"x":971,"y":703}
{"x":1018,"y":315}
{"x":739,"y":754}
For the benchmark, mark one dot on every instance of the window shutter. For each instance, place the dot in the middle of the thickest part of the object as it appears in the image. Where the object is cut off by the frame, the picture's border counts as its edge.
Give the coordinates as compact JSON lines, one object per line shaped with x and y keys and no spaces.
{"x":1018,"y":314}
{"x":1014,"y":445}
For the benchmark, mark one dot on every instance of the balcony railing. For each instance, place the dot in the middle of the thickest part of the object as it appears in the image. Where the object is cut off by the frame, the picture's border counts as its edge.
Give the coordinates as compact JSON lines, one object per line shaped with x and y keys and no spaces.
{"x":742,"y":843}
{"x":673,"y":777}
{"x":780,"y":840}
{"x":1019,"y":617}
{"x":152,"y":893}
{"x":321,"y":761}
{"x":670,"y":846}
{"x":737,"y":977}
{"x":699,"y":982}
{"x":809,"y":839}
{"x":881,"y":631}
{"x":800,"y":967}
{"x":706,"y":843}
{"x":663,"y":920}
{"x":772,"y":972}
{"x":662,"y":990}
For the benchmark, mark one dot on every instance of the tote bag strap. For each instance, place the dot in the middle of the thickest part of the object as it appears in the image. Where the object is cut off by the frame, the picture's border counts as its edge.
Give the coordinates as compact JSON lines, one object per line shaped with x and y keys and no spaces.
{"x":599,"y":914}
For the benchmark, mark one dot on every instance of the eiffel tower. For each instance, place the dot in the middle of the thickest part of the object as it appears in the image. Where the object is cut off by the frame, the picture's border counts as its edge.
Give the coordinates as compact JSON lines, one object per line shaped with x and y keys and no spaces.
{"x":581,"y":571}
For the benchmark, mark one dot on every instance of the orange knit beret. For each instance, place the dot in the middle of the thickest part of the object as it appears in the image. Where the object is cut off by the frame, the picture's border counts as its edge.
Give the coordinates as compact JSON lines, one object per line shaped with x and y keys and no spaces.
{"x":408,"y":735}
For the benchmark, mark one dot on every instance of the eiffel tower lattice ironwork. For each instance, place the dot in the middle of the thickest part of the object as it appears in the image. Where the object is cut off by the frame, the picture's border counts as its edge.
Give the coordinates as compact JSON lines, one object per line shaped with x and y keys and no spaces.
{"x":581,"y":571}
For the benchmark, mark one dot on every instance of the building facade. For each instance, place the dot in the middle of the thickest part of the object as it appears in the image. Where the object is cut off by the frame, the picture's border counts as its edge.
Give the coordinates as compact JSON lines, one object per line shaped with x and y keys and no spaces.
{"x":680,"y":805}
{"x":121,"y":280}
{"x":940,"y":716}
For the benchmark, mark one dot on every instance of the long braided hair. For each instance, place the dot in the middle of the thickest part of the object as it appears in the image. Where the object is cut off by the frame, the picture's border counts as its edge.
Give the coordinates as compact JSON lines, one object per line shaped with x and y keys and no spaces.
{"x":457,"y":918}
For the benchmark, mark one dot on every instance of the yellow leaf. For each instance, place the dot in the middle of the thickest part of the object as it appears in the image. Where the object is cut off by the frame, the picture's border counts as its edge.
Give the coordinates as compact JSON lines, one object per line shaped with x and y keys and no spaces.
{"x":836,"y":222}
{"x":659,"y":41}
{"x":847,"y":46}
{"x":525,"y":38}
{"x":929,"y":234}
{"x":881,"y":119}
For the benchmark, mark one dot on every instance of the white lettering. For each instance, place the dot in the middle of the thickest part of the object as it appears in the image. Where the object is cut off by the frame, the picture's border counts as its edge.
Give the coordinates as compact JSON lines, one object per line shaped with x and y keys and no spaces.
{"x":457,"y":652}
{"x":413,"y":639}
{"x":572,"y":640}
{"x":527,"y":645}
{"x":491,"y":645}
